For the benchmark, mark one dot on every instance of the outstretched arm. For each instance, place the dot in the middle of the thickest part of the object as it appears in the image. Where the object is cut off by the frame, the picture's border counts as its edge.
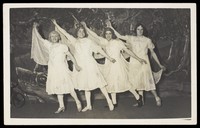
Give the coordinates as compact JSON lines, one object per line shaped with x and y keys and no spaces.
{"x":108,"y":23}
{"x":90,"y":31}
{"x":78,"y":68}
{"x":70,"y":37}
{"x":105,"y":55}
{"x":156,"y":59}
{"x":134,"y":55}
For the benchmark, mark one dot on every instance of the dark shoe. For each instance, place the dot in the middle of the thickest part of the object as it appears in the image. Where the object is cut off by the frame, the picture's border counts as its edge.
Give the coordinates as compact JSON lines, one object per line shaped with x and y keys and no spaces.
{"x":115,"y":105}
{"x":140,"y":101}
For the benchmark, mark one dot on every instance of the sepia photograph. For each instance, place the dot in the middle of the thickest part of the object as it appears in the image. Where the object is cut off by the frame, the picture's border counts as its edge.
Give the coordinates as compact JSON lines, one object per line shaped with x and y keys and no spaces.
{"x":99,"y":63}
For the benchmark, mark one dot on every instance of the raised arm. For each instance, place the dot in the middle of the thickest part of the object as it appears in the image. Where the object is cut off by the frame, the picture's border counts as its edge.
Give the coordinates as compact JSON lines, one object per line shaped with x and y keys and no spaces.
{"x":116,"y":33}
{"x":93,"y":35}
{"x":70,"y":37}
{"x":90,"y":31}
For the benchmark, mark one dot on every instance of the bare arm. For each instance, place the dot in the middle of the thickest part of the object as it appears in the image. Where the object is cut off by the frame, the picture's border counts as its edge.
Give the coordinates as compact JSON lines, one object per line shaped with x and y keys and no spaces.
{"x":35,"y":68}
{"x":70,"y":37}
{"x":78,"y":68}
{"x":156,"y":59}
{"x":134,"y":55}
{"x":100,"y":50}
{"x":93,"y":35}
{"x":91,"y":32}
{"x":116,"y":33}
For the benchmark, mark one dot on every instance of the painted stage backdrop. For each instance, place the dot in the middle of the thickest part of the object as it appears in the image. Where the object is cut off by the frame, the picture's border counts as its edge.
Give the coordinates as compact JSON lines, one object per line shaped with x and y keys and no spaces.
{"x":169,"y":30}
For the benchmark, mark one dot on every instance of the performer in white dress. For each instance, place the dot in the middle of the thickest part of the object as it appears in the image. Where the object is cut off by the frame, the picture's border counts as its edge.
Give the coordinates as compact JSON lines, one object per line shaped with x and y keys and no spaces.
{"x":90,"y":77}
{"x":142,"y":76}
{"x":53,"y":53}
{"x":116,"y":74}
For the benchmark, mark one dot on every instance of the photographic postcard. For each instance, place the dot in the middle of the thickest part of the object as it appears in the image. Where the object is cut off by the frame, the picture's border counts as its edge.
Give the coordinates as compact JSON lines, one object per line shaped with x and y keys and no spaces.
{"x":170,"y":34}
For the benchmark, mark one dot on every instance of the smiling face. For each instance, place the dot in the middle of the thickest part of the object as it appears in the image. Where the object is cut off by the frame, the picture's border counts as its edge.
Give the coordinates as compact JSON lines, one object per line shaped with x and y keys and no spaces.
{"x":54,"y":37}
{"x":108,"y":35}
{"x":139,"y":31}
{"x":81,"y":33}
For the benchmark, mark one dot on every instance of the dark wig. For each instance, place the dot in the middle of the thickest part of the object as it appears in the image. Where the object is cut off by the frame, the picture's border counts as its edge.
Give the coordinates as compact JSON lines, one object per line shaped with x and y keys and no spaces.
{"x":145,"y":33}
{"x":111,"y":30}
{"x":77,"y":29}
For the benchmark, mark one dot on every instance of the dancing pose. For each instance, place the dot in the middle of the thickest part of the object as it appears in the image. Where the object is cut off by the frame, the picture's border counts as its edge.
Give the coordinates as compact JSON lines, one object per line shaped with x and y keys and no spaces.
{"x":142,"y":76}
{"x":116,"y":74}
{"x":53,"y":53}
{"x":90,"y":77}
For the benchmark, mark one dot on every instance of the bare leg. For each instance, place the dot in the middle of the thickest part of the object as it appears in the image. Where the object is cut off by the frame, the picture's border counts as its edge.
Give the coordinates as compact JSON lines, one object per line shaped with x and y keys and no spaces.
{"x":61,"y":103}
{"x":60,"y":100}
{"x":88,"y":101}
{"x":105,"y":93}
{"x":114,"y":99}
{"x":157,"y":98}
{"x":137,"y":96}
{"x":132,"y":90}
{"x":78,"y":103}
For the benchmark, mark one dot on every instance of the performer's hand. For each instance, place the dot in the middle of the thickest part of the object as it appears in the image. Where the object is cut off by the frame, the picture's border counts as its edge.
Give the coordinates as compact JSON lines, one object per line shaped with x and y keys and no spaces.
{"x":78,"y":68}
{"x":112,"y":60}
{"x":34,"y":71}
{"x":143,"y":61}
{"x":108,"y":23}
{"x":163,"y":67}
{"x":35,"y":24}
{"x":83,"y":23}
{"x":53,"y":21}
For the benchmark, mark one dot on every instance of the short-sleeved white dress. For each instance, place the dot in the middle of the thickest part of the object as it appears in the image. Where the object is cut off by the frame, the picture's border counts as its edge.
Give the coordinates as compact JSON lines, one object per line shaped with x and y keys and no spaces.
{"x":141,"y":75}
{"x":116,"y":74}
{"x":59,"y":79}
{"x":90,"y":77}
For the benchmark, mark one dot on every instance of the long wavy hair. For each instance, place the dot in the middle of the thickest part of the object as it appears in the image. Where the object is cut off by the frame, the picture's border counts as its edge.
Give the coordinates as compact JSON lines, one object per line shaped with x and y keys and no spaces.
{"x":145,"y":32}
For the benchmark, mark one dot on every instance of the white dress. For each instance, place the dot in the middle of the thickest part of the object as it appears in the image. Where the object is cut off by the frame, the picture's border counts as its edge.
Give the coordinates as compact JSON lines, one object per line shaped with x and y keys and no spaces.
{"x":59,"y":79}
{"x":141,"y":75}
{"x":116,"y":74}
{"x":90,"y":77}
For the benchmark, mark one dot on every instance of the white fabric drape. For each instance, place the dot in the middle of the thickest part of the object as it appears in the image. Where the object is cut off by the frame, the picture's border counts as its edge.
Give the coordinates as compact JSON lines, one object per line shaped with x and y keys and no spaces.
{"x":39,"y":49}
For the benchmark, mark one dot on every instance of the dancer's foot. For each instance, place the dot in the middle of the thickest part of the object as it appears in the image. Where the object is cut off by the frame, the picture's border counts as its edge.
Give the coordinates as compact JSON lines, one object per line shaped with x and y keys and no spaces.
{"x":60,"y":109}
{"x":135,"y":105}
{"x":158,"y":101}
{"x":87,"y":108}
{"x":115,"y":105}
{"x":140,"y":101}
